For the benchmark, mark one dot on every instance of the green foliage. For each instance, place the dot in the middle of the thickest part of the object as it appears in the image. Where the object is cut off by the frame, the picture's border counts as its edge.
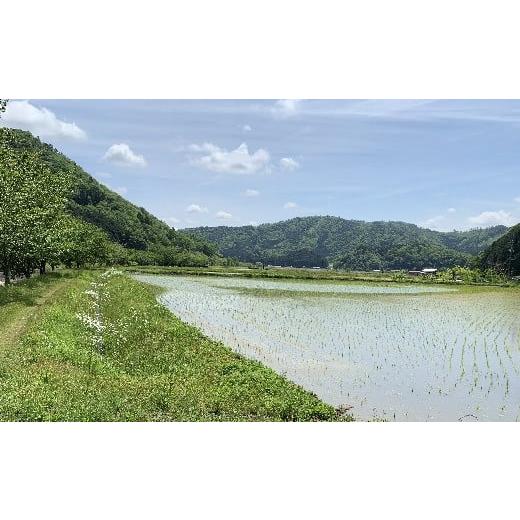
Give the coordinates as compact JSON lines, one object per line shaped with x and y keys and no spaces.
{"x":348,"y":244}
{"x":456,"y":275}
{"x":473,"y":241}
{"x":84,"y":244}
{"x":32,"y":208}
{"x":104,"y":350}
{"x":471,"y":276}
{"x":146,"y":238}
{"x":504,"y":254}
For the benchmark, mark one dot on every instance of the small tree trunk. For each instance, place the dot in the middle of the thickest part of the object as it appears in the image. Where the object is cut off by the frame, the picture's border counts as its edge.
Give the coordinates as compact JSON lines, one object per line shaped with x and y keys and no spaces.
{"x":42,"y":267}
{"x":7,"y":276}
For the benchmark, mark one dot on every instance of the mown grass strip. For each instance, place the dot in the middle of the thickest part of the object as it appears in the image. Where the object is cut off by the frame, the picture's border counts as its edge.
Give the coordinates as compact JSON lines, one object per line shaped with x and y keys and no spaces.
{"x":20,"y":302}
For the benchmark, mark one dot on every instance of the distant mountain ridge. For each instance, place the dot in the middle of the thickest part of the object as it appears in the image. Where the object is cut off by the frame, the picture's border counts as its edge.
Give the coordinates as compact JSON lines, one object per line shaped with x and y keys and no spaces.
{"x":348,"y":244}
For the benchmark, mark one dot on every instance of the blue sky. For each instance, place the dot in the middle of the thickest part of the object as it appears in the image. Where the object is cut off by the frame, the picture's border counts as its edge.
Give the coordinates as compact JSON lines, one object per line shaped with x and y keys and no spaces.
{"x":440,"y":164}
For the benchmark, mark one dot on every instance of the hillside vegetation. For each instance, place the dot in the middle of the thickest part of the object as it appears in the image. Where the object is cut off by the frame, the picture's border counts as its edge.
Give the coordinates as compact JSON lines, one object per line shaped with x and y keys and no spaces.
{"x":348,"y":244}
{"x":141,"y":237}
{"x":504,"y":254}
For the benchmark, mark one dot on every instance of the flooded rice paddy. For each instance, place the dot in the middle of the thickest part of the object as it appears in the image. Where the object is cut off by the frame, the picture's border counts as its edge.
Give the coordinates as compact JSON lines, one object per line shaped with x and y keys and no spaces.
{"x":389,"y":352}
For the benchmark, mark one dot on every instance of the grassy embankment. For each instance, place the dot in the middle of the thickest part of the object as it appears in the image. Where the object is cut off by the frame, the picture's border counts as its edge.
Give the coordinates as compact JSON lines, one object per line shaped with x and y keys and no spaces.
{"x":87,"y":347}
{"x":309,"y":274}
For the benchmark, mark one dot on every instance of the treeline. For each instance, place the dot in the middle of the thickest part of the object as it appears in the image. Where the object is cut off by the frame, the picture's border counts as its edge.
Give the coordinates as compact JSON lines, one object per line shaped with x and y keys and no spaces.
{"x":504,"y":254}
{"x":52,"y":212}
{"x":349,"y":244}
{"x":35,"y":228}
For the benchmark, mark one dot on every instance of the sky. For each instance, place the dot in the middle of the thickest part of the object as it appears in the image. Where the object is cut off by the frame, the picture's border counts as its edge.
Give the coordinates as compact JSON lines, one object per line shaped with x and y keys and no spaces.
{"x":441,"y":164}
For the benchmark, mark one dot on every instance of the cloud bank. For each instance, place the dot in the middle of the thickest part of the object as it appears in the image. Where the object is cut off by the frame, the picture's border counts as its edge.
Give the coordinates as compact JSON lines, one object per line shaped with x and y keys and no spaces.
{"x":493,"y":218}
{"x":39,"y":121}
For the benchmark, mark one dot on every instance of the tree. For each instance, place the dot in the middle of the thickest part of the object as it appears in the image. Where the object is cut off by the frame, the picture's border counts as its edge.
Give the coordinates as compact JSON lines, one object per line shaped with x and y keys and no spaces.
{"x":139,"y":236}
{"x":3,"y":105}
{"x":83,"y":244}
{"x":32,"y":206}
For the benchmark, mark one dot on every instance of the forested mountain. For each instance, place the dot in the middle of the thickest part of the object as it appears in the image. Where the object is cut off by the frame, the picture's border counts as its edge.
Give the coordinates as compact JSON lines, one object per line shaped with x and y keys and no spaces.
{"x":137,"y":236}
{"x":349,"y":244}
{"x":504,"y":254}
{"x":145,"y":238}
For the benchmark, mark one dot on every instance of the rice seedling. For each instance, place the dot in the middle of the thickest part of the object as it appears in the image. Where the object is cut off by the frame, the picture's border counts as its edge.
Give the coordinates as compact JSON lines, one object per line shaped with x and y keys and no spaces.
{"x":400,"y":352}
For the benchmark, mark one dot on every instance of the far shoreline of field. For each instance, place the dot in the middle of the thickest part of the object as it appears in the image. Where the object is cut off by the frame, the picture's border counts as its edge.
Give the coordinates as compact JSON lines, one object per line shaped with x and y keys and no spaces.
{"x":322,"y":275}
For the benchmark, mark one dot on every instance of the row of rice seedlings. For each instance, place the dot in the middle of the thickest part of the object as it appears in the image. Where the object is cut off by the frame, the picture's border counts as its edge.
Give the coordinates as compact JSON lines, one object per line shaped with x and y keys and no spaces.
{"x":406,"y":355}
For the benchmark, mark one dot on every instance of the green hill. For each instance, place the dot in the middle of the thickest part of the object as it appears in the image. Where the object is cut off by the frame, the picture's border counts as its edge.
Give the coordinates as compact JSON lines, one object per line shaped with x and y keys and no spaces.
{"x":504,"y":254}
{"x":349,"y":244}
{"x":146,"y":239}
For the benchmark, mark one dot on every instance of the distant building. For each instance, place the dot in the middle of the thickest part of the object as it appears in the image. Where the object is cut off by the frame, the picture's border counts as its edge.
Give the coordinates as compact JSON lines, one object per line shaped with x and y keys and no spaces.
{"x":424,"y":272}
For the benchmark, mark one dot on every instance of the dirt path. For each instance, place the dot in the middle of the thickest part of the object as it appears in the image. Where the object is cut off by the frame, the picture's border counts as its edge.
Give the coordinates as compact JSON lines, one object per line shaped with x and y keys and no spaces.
{"x":19,"y":316}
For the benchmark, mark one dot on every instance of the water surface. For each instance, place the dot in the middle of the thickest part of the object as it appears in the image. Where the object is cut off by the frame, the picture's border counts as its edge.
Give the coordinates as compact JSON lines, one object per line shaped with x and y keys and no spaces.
{"x":392,"y":352}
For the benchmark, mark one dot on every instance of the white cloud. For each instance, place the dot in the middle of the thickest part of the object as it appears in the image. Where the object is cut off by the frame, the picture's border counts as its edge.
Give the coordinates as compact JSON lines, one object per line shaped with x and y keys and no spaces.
{"x":451,"y":210}
{"x":204,"y":147}
{"x":39,"y":121}
{"x":290,"y":205}
{"x":171,"y":220}
{"x":238,"y":161}
{"x":289,"y":164}
{"x":122,"y":190}
{"x":384,"y":107}
{"x":195,"y":208}
{"x":285,"y":108}
{"x":517,"y":199}
{"x":434,"y":222}
{"x":246,"y":128}
{"x":251,"y":193}
{"x":493,"y":218}
{"x":122,"y":155}
{"x":223,"y":215}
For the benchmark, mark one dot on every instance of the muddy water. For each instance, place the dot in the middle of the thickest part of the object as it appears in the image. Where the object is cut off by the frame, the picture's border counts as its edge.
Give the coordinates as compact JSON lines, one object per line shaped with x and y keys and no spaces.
{"x":390,"y":352}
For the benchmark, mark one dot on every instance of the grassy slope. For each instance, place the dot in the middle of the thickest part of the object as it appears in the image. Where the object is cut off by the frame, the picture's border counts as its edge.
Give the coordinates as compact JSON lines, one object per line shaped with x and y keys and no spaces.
{"x":153,"y":366}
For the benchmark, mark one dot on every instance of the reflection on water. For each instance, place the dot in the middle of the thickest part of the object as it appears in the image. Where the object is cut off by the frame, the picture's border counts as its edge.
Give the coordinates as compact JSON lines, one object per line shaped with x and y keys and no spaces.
{"x":403,"y":353}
